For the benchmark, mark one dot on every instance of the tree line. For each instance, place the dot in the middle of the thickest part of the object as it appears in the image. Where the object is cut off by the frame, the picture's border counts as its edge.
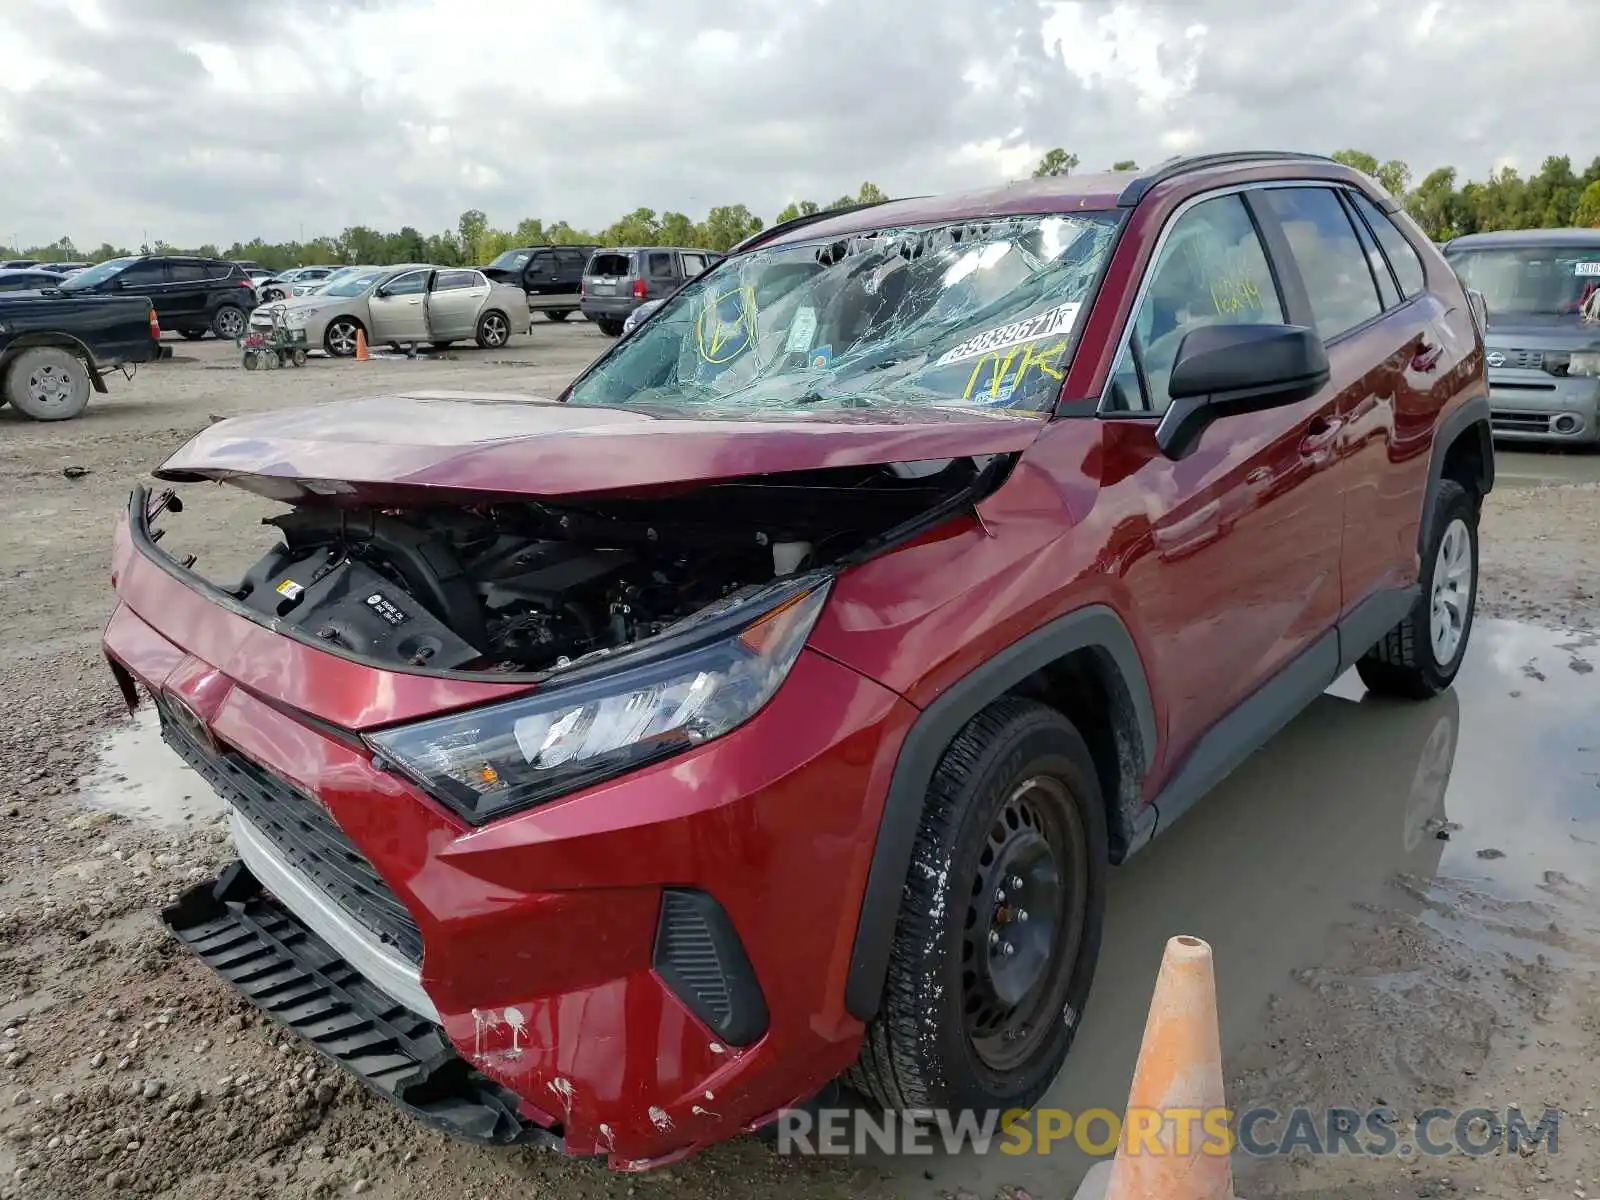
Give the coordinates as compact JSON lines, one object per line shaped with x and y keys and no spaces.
{"x":1555,"y":196}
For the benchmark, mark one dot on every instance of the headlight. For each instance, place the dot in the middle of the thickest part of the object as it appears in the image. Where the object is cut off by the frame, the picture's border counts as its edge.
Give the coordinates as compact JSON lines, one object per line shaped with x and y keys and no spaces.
{"x":1584,"y":362}
{"x":296,"y":318}
{"x":490,"y":761}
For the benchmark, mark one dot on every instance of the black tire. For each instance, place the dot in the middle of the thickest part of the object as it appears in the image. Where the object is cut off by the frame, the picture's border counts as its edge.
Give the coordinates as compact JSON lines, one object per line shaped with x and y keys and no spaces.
{"x":339,"y":339}
{"x":193,"y":335}
{"x":609,"y":327}
{"x":230,"y":322}
{"x":923,"y":1049}
{"x":1408,"y":662}
{"x":558,"y":314}
{"x":47,"y":383}
{"x":396,"y":347}
{"x":442,"y":345}
{"x":494,"y":330}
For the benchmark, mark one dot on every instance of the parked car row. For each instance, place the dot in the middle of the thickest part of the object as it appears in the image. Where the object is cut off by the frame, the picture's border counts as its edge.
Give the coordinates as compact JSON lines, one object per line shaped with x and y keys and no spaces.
{"x":605,"y":283}
{"x":403,"y":305}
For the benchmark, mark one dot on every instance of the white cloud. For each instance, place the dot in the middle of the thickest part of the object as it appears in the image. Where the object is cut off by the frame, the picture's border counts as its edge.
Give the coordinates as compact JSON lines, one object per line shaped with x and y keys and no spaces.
{"x":206,"y":121}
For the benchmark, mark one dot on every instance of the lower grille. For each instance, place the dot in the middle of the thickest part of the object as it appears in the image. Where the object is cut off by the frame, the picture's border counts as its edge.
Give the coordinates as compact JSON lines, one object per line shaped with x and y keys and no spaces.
{"x":295,"y":978}
{"x":302,"y":831}
{"x":1507,"y":421}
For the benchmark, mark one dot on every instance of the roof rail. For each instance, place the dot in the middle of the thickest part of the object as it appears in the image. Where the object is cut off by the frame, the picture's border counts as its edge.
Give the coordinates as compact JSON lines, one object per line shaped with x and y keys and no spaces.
{"x":1173,"y":167}
{"x":800,"y":222}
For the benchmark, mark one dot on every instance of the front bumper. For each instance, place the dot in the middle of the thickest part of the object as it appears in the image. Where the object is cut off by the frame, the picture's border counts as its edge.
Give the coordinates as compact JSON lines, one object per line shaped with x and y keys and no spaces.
{"x":586,"y":955}
{"x":1533,"y":406}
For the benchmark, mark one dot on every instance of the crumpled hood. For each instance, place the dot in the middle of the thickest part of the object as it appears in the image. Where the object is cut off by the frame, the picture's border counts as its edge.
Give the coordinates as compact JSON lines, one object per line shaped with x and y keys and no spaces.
{"x":505,"y":446}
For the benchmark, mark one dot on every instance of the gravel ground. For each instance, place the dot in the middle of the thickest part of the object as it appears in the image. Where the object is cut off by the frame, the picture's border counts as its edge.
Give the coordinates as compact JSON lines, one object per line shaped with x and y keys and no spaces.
{"x":125,"y":1068}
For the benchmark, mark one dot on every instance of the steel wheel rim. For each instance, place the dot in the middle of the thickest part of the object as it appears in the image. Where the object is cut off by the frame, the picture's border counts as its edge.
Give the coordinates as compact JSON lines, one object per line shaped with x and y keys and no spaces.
{"x":49,"y":387}
{"x":494,"y":329}
{"x":342,"y":337}
{"x":1024,"y":924}
{"x":1452,"y":592}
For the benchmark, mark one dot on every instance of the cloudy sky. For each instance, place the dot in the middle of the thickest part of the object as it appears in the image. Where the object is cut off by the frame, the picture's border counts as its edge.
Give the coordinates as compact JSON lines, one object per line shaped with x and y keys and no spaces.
{"x":210,"y":120}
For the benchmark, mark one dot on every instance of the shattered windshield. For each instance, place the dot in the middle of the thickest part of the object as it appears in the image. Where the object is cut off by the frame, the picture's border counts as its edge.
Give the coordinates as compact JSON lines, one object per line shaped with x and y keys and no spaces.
{"x":977,"y":313}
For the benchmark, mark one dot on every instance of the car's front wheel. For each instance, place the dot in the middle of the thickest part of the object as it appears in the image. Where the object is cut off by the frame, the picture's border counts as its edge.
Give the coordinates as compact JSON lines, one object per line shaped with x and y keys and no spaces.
{"x":999,"y":929}
{"x":339,"y":340}
{"x":1421,"y":655}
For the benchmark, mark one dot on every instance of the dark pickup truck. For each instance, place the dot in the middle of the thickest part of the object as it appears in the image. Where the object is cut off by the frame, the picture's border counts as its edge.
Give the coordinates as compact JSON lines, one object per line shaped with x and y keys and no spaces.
{"x":55,"y":348}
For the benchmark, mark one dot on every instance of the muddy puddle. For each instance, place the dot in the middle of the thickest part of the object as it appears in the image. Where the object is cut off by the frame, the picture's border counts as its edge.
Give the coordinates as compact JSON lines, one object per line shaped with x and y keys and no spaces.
{"x":137,"y":775}
{"x":1385,"y":885}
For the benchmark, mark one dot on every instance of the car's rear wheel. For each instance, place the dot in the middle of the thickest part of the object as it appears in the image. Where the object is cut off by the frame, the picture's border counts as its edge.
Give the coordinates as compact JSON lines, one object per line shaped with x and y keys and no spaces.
{"x":1421,"y":655}
{"x":494,"y":330}
{"x":193,"y":335}
{"x":48,"y":383}
{"x":609,"y":327}
{"x":999,"y":929}
{"x":229,"y":322}
{"x":558,"y":314}
{"x":339,"y":339}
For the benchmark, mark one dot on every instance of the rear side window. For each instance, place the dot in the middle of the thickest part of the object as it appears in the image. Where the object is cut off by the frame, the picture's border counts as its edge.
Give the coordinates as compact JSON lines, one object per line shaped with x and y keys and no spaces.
{"x":450,"y":281}
{"x":144,"y":274}
{"x":187,"y":272}
{"x":570,"y":260}
{"x":1397,"y":248}
{"x":1337,"y":274}
{"x":693,"y":264}
{"x":660,"y":266}
{"x":609,"y":264}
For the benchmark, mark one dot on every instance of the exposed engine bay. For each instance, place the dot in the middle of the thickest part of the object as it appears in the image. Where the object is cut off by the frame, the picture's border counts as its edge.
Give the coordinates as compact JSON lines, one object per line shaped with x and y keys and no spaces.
{"x":532,"y":586}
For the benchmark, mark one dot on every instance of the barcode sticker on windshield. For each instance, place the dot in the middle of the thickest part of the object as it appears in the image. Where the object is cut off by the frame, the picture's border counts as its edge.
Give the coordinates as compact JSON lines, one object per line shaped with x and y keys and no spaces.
{"x":1050,"y":323}
{"x":1586,"y":268}
{"x":802,"y":331}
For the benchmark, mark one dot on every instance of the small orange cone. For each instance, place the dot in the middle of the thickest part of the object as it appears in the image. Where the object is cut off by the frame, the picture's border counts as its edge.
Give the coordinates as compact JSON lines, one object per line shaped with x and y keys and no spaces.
{"x":1180,"y":1068}
{"x":361,"y":346}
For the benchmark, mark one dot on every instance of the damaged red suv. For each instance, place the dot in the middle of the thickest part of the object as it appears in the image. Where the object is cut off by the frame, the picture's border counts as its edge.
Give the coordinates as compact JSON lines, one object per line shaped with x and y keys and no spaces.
{"x":617,"y":770}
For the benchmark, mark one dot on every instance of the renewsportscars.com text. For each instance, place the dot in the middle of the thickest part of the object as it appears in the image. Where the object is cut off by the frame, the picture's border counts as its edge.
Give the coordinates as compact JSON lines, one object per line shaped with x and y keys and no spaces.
{"x":1258,"y":1132}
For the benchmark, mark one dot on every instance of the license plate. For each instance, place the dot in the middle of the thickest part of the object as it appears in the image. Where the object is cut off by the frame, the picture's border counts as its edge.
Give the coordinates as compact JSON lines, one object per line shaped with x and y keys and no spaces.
{"x":602,"y":289}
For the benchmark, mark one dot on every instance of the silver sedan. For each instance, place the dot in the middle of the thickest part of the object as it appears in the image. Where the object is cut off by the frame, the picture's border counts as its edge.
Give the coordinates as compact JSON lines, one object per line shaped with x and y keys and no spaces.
{"x":404,"y":305}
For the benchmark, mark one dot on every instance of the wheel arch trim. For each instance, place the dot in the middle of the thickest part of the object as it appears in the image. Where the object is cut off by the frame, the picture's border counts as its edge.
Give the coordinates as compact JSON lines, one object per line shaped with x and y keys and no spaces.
{"x":1468,"y":419}
{"x":1096,"y":628}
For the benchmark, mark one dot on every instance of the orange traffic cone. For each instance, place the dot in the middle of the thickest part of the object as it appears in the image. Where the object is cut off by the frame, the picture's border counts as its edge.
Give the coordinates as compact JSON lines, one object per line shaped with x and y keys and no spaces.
{"x":1179,"y":1068}
{"x":361,"y":346}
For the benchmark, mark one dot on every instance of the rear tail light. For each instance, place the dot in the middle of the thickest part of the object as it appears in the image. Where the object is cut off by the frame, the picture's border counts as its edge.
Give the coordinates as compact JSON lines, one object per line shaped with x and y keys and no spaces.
{"x":638,"y":289}
{"x":582,"y":283}
{"x":155,"y":324}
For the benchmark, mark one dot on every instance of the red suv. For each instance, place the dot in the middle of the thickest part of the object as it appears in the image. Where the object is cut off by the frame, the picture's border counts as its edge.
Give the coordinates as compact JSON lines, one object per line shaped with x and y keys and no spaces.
{"x":620,"y":769}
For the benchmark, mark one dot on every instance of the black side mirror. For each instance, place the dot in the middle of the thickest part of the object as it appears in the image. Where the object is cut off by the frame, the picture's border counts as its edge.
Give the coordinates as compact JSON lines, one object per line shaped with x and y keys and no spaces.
{"x":1225,"y":370}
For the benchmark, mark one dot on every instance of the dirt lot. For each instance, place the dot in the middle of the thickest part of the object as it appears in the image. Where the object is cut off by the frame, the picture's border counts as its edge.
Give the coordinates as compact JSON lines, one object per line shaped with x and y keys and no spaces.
{"x":1401,"y":901}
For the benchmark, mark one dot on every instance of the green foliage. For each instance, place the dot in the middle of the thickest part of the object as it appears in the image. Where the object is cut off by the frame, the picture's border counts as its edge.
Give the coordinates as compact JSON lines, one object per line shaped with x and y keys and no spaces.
{"x":1055,"y":162}
{"x":1124,"y":164}
{"x":1556,"y":196}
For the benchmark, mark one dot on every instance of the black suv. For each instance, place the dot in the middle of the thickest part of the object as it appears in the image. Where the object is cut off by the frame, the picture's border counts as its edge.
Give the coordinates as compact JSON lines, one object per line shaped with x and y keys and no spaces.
{"x":190,"y":294}
{"x":549,"y":274}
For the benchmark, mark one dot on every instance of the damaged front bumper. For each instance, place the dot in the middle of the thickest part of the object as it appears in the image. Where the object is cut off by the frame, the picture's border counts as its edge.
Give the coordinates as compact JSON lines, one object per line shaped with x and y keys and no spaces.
{"x":640,"y":969}
{"x":294,"y":977}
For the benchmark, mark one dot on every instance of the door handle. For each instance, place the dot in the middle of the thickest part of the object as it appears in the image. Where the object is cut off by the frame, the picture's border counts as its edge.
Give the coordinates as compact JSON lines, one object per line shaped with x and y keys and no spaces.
{"x":1427,"y":357}
{"x":1320,"y":435}
{"x":413,"y":303}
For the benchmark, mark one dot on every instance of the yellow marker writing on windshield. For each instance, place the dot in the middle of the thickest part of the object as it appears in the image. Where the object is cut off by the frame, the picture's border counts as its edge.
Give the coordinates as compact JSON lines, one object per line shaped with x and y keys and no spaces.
{"x":1026,"y":358}
{"x":720,"y":340}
